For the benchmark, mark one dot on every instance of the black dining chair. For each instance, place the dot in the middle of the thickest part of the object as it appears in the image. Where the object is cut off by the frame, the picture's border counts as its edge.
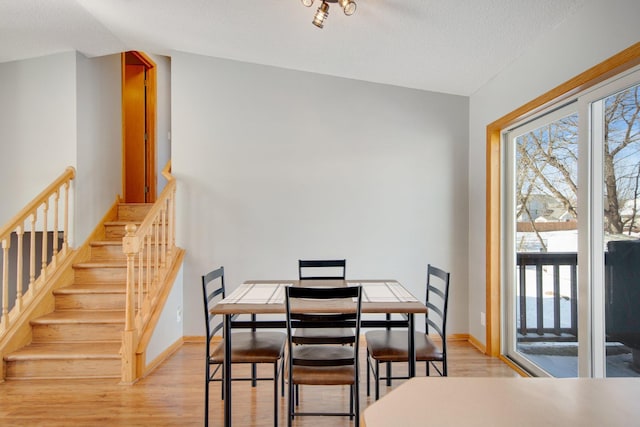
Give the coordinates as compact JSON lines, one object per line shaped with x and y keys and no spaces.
{"x":317,"y":270}
{"x":321,"y":269}
{"x":249,"y":347}
{"x":323,"y":359}
{"x":389,"y":346}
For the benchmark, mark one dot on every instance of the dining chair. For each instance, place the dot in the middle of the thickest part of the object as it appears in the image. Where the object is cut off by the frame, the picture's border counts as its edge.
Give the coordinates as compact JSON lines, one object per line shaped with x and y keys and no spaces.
{"x":389,"y":346}
{"x":249,"y":347}
{"x":321,"y":269}
{"x":317,"y":270}
{"x":323,"y":359}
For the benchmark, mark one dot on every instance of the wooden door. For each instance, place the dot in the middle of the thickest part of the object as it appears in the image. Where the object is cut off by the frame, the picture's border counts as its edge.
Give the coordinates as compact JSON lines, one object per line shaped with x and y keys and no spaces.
{"x":138,"y":117}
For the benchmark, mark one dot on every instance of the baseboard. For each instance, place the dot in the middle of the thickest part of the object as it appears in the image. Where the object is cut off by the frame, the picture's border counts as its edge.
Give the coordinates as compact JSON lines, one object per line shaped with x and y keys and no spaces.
{"x":162,"y":357}
{"x":477,"y":344}
{"x":193,"y":339}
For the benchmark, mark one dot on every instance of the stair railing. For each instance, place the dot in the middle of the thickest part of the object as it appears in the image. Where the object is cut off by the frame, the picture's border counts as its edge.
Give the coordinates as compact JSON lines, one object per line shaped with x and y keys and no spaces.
{"x":150,"y":249}
{"x":40,"y":236}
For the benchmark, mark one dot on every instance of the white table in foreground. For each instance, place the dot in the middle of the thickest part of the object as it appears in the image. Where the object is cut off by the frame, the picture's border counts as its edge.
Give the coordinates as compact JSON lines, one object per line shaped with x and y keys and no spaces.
{"x":497,"y":402}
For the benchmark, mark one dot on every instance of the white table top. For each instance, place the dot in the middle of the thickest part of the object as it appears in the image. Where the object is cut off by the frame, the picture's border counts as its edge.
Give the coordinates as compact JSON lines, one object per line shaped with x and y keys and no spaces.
{"x":497,"y":402}
{"x":267,"y":296}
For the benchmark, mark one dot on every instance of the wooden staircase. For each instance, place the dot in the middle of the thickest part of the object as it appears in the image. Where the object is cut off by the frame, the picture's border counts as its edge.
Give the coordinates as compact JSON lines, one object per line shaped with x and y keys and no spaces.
{"x":82,"y":337}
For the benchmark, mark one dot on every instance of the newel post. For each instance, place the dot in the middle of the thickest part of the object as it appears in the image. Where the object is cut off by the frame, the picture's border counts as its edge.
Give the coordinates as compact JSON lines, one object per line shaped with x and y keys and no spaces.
{"x":131,"y":247}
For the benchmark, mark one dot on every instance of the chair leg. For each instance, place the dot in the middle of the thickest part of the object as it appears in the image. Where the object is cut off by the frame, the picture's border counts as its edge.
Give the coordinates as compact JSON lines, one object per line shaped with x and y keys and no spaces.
{"x":275,"y":393}
{"x":282,"y":377}
{"x":254,"y":375}
{"x":368,"y":374}
{"x":377,"y":378}
{"x":389,"y":374}
{"x":428,"y":370}
{"x":351,"y":402}
{"x":290,"y":403}
{"x":356,"y":398}
{"x":206,"y":397}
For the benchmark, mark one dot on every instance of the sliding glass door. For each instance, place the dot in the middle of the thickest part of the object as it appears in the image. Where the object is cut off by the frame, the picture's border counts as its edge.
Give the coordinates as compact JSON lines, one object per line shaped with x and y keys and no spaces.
{"x":571,"y":256}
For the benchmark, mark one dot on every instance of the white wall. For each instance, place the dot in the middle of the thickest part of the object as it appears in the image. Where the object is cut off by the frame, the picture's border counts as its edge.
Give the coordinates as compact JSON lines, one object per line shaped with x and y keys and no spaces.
{"x":99,"y":145}
{"x":37,"y":127}
{"x":169,"y":328}
{"x":275,"y":165}
{"x":598,"y":31}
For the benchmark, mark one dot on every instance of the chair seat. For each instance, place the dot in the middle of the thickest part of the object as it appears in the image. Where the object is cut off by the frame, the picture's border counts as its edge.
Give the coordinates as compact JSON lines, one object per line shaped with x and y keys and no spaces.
{"x":252,"y":347}
{"x":323,"y":375}
{"x":392,"y":346}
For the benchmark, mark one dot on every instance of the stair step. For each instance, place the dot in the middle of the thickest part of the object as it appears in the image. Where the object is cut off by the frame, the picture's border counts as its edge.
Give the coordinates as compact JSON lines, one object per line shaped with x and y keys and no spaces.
{"x":107,"y":250}
{"x":79,"y":325}
{"x":106,"y":271}
{"x":133,"y":211}
{"x":91,"y":296}
{"x":115,"y":230}
{"x":95,"y":359}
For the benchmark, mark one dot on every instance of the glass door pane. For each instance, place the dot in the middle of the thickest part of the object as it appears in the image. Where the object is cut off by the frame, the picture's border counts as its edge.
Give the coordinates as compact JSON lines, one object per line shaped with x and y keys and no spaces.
{"x":619,"y":141}
{"x":543,"y":244}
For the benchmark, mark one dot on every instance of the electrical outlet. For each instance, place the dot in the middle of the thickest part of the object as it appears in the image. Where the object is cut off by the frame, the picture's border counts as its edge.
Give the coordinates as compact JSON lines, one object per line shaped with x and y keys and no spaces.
{"x":483,"y":319}
{"x":179,"y":315}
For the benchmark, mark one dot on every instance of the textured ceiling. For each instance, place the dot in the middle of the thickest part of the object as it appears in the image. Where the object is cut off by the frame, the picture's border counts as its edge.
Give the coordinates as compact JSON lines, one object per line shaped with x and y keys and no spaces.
{"x":451,"y":46}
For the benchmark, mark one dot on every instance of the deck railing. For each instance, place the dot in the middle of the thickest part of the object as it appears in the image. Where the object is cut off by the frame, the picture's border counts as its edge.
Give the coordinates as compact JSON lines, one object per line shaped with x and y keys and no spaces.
{"x":561,"y":270}
{"x":34,"y":243}
{"x":150,"y":249}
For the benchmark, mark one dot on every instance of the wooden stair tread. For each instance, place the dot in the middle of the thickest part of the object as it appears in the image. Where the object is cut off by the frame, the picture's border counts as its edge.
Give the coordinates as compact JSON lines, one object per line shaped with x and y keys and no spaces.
{"x":92,"y":288}
{"x":101,"y":264}
{"x":81,"y":316}
{"x":67,"y":350}
{"x":106,"y":243}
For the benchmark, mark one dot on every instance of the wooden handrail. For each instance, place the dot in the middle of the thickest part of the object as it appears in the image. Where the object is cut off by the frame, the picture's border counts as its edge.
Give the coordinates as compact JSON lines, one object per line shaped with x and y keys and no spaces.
{"x":149,"y":248}
{"x":27,"y":222}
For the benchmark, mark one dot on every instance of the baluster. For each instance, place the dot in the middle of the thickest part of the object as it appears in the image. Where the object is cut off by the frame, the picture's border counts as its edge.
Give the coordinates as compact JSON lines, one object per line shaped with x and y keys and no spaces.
{"x":43,"y":270}
{"x":20,"y":256}
{"x":539,"y":295}
{"x":65,"y":230}
{"x":556,"y":299}
{"x":163,"y":246}
{"x":32,"y":252}
{"x":54,"y":257}
{"x":156,"y":256}
{"x":574,"y":299}
{"x":6,"y":243}
{"x":150,"y":246}
{"x":141,"y":283}
{"x":523,"y":299}
{"x":131,"y":247}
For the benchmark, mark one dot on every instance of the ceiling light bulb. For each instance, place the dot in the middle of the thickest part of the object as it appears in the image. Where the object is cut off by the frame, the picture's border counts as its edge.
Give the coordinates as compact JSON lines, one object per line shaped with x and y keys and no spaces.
{"x":348,"y":6}
{"x":321,"y":15}
{"x":307,"y":3}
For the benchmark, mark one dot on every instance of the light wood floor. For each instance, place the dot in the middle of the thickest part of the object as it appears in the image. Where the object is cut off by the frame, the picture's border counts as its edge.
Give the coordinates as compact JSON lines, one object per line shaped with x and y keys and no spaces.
{"x":173,"y":396}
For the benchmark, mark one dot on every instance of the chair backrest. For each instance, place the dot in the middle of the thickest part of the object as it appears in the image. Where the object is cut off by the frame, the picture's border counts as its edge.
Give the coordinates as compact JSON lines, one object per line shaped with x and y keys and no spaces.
{"x":305,"y":310}
{"x":322,"y":269}
{"x":437,"y":301}
{"x":212,"y":288}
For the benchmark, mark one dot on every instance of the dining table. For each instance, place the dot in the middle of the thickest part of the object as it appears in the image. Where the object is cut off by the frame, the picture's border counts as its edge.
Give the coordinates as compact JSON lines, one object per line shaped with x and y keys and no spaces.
{"x":267,"y":297}
{"x":506,"y":402}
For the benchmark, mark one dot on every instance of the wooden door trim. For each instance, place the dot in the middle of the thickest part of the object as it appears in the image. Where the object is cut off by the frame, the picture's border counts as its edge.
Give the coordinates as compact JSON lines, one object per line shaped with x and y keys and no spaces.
{"x":151,"y":104}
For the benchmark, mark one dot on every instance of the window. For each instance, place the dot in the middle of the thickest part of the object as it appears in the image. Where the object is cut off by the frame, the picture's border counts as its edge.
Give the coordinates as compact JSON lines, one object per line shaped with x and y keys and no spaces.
{"x":571,"y":204}
{"x":621,"y":62}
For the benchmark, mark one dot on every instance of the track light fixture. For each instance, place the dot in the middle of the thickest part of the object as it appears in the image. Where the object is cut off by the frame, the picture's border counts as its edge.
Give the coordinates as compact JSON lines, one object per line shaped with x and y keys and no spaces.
{"x":348,"y":7}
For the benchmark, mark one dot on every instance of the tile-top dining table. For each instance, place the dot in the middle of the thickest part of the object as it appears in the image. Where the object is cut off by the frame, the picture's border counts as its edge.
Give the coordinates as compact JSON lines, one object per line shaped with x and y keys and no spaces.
{"x":256,"y":297}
